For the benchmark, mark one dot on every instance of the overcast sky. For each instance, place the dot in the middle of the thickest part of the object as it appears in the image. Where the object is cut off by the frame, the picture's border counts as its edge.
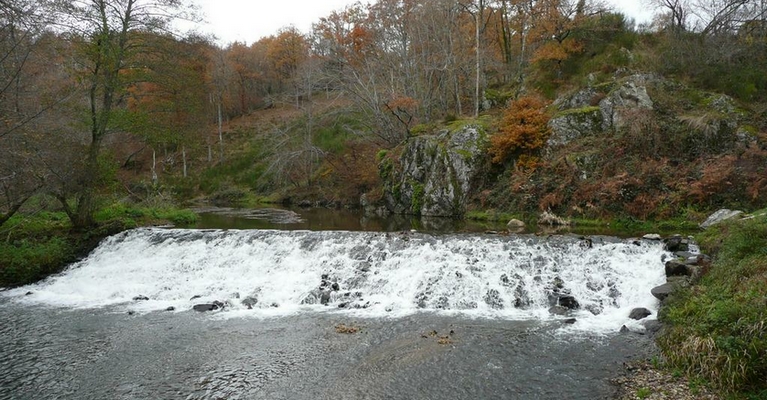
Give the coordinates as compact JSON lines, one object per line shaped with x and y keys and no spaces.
{"x":249,"y":20}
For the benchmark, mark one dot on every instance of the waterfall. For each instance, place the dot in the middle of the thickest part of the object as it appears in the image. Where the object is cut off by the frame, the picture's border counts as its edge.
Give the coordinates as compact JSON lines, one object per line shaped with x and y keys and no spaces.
{"x":271,"y":273}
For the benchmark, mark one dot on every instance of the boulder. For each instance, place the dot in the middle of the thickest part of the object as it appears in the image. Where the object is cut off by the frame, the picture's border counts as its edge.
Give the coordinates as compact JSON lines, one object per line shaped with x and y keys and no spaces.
{"x":325,"y":297}
{"x":208,"y":306}
{"x":515,"y":224}
{"x":651,"y":236}
{"x":676,"y":243}
{"x":171,"y":308}
{"x":140,"y":298}
{"x":652,"y":326}
{"x":569,"y":302}
{"x":677,"y":268}
{"x":639,"y":313}
{"x":662,"y":291}
{"x":570,"y":321}
{"x":434,"y":174}
{"x":250,"y":301}
{"x":720,"y":216}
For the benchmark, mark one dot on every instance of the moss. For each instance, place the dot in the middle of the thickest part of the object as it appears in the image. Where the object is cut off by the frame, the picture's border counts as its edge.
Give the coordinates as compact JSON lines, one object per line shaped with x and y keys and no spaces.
{"x":416,"y":203}
{"x":576,"y":111}
{"x":484,"y":122}
{"x":381,"y":155}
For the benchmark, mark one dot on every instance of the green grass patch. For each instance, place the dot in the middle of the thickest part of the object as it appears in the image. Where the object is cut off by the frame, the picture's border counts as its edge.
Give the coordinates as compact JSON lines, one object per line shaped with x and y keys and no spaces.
{"x":131,"y":216}
{"x":28,"y":260}
{"x":718,"y":329}
{"x":492,"y":216}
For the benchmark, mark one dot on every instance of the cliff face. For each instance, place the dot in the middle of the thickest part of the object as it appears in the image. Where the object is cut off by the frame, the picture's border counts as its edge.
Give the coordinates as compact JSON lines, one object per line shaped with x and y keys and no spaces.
{"x":434,"y":174}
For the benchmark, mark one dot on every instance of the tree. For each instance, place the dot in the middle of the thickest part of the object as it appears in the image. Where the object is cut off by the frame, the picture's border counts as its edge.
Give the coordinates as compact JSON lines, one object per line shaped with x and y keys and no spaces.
{"x":106,"y":34}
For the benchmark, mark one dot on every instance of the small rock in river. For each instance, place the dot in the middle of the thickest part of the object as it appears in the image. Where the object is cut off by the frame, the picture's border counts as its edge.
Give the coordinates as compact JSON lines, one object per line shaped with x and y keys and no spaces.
{"x":639,"y":313}
{"x":171,"y":308}
{"x":140,"y":298}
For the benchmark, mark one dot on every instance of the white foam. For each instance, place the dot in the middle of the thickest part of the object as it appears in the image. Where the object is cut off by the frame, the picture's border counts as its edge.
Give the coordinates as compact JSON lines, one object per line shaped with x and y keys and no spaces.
{"x":449,"y":274}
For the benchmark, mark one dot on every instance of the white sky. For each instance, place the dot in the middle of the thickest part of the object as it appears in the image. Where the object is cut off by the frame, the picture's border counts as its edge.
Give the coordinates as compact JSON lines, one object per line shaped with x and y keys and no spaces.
{"x":249,"y":20}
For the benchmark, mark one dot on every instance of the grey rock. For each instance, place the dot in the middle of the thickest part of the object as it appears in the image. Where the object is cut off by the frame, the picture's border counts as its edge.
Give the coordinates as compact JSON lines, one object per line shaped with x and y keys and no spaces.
{"x":720,"y":216}
{"x":651,"y":236}
{"x":250,"y":301}
{"x":677,"y":268}
{"x":662,"y":291}
{"x":558,"y":310}
{"x":515,"y":224}
{"x":207,"y":306}
{"x":639,"y":313}
{"x":652,"y":326}
{"x":569,"y":302}
{"x":435,"y":173}
{"x":630,"y":95}
{"x":493,"y":299}
{"x":676,"y":243}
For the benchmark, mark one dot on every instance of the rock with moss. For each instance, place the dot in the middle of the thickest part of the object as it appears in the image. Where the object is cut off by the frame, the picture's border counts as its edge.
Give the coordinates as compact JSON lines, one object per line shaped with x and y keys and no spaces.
{"x":435,"y":174}
{"x":572,"y":124}
{"x":630,"y":95}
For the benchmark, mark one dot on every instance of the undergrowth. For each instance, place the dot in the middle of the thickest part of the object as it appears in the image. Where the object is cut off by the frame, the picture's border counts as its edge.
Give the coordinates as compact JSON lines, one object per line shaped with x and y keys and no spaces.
{"x":718,"y":329}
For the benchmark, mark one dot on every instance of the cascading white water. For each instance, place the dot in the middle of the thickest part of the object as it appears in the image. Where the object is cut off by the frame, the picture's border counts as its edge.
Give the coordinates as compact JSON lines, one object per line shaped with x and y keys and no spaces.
{"x":367,"y":274}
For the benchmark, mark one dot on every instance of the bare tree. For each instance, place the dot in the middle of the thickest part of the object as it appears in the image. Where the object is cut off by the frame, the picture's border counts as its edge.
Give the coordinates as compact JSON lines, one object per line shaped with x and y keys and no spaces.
{"x":106,"y":35}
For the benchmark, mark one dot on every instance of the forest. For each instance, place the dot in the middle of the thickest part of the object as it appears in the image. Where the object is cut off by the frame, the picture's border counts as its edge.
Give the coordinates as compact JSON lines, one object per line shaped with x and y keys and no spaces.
{"x":103,"y":98}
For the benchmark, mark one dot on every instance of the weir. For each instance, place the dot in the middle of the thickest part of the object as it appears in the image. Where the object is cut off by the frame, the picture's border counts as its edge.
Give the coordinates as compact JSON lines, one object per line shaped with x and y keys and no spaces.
{"x":267,"y":273}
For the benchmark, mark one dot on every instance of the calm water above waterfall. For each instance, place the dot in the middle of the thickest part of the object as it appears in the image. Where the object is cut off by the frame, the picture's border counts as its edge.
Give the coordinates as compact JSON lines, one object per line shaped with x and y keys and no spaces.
{"x":454,"y":316}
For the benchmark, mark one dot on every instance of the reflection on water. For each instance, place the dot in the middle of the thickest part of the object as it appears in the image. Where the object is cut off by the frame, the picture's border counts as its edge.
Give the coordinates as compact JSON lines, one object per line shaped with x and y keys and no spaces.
{"x":323,"y":219}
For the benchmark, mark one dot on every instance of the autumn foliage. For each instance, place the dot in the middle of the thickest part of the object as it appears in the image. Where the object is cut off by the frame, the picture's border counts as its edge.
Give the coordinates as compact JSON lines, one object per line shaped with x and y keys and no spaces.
{"x":524,"y":130}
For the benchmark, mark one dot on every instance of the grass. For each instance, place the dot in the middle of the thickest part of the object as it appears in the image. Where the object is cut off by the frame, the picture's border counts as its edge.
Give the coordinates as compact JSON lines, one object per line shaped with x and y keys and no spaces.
{"x":33,"y":246}
{"x":492,"y":216}
{"x":643,"y":393}
{"x":718,"y":329}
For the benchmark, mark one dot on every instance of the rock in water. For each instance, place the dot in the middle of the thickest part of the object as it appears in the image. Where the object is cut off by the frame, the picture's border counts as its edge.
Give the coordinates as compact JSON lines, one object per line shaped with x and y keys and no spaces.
{"x":639,"y":313}
{"x":676,"y":268}
{"x":250,"y":301}
{"x":662,"y":291}
{"x":569,"y":302}
{"x":208,"y":306}
{"x":677,"y":243}
{"x":140,"y":298}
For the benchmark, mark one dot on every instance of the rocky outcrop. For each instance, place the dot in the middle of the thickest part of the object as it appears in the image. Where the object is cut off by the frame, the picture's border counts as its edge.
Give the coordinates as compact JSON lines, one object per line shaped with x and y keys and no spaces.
{"x":596,"y":109}
{"x":434,"y":175}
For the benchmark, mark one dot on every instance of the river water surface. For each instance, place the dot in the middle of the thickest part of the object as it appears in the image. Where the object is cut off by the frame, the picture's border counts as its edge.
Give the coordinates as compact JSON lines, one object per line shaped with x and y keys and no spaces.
{"x":440,"y":316}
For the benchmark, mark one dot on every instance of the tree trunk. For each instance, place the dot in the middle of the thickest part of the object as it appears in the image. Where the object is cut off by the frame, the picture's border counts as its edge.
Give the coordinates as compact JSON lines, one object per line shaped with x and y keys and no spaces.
{"x":220,"y":132}
{"x":183,"y":154}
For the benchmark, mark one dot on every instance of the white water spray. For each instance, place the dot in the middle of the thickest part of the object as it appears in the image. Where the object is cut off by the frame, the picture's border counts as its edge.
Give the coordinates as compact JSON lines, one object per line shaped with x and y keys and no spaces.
{"x":367,"y":274}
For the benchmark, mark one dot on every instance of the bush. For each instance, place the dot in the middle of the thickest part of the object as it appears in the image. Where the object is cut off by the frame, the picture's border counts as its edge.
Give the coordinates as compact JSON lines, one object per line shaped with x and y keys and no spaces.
{"x":524,"y":128}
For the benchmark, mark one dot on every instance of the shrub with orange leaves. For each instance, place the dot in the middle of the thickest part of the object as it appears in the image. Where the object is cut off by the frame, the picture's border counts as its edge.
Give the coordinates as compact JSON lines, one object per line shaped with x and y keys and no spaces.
{"x":524,"y":129}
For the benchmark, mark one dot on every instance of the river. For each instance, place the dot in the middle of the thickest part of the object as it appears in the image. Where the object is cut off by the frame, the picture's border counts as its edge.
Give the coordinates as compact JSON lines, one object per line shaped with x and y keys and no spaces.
{"x":439,"y":316}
